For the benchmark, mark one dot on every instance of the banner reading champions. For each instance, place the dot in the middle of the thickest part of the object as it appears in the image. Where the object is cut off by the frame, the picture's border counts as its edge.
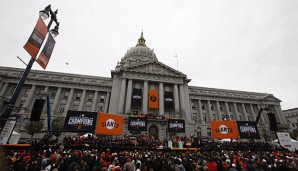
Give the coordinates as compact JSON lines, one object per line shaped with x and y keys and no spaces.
{"x":224,"y":129}
{"x":137,"y":124}
{"x":36,"y":38}
{"x":176,"y":125}
{"x":169,"y":102}
{"x":136,"y":99}
{"x":109,"y":124}
{"x":80,"y":120}
{"x":248,"y":130}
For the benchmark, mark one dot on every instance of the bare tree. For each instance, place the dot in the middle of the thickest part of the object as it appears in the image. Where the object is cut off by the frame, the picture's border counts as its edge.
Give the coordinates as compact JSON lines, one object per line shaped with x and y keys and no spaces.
{"x":32,"y":127}
{"x":57,"y":125}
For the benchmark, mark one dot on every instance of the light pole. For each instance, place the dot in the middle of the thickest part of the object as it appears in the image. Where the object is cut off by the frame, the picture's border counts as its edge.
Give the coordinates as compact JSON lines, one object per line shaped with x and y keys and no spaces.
{"x":44,"y":14}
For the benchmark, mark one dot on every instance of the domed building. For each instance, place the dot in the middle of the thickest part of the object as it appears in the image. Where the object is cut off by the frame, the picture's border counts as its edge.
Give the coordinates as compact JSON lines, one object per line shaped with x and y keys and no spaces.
{"x":139,"y":85}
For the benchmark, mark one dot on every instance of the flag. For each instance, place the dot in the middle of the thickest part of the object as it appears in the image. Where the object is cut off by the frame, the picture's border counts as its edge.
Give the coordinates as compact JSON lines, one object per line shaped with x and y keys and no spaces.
{"x":46,"y":53}
{"x":153,"y":99}
{"x":109,"y":124}
{"x":36,"y":39}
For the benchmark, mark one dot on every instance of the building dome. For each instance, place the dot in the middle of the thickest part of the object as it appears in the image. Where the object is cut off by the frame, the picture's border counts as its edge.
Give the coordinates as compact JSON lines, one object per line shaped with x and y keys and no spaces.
{"x":138,"y":54}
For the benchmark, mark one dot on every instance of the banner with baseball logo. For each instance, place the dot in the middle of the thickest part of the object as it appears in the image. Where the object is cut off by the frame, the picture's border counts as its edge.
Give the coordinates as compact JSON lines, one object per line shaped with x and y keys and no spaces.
{"x":224,"y":129}
{"x":80,"y":121}
{"x":137,"y":124}
{"x":109,"y":124}
{"x":176,"y":125}
{"x":248,"y":129}
{"x":153,"y":99}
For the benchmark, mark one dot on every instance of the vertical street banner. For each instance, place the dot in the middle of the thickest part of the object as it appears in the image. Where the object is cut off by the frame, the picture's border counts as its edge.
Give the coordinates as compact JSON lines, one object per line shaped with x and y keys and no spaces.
{"x":153,"y":99}
{"x":285,"y":140}
{"x":137,"y":124}
{"x":36,"y":38}
{"x":248,"y":130}
{"x":169,"y":100}
{"x":224,"y":129}
{"x":176,"y":125}
{"x":80,"y":121}
{"x":109,"y":124}
{"x":46,"y":53}
{"x":7,"y":130}
{"x":136,"y":99}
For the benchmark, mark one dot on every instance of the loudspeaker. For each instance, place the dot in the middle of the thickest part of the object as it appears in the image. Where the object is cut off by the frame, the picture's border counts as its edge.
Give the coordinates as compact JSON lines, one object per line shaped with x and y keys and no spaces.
{"x":273,"y":122}
{"x":37,"y":108}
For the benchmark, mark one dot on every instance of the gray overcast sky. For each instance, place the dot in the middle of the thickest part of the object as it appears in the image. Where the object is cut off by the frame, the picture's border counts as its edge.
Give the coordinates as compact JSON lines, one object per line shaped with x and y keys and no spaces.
{"x":248,"y":45}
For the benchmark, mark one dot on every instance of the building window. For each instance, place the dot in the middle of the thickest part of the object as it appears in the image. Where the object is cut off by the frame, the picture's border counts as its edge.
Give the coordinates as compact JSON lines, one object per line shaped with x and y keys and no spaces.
{"x":204,"y":117}
{"x":293,"y":125}
{"x":75,"y":107}
{"x":90,"y":97}
{"x":66,"y":94}
{"x":232,"y":117}
{"x":248,"y":118}
{"x":78,"y":96}
{"x":102,"y":98}
{"x":203,"y":106}
{"x":212,"y":106}
{"x":220,"y":107}
{"x":88,"y":108}
{"x":53,"y":93}
{"x":193,"y":105}
{"x":213,"y":117}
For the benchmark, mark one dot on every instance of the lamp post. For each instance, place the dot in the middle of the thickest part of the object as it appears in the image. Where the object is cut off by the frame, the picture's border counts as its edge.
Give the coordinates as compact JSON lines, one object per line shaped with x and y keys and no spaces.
{"x":44,"y":14}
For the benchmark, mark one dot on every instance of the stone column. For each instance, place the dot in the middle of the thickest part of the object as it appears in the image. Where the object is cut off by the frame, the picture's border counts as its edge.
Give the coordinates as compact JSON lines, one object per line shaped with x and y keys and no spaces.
{"x":69,"y":102}
{"x":278,"y":108}
{"x":107,"y":102}
{"x":218,"y":110}
{"x":176,"y":100}
{"x":227,"y":109}
{"x":279,"y":117}
{"x":29,"y":98}
{"x":182,"y":103}
{"x":56,"y":100}
{"x":83,"y":100}
{"x":3,"y":90}
{"x":262,"y":117}
{"x":236,"y":112}
{"x":209,"y":113}
{"x":244,"y":114}
{"x":253,"y":115}
{"x":200,"y":111}
{"x":122,"y":96}
{"x":161,"y":100}
{"x":1,"y":84}
{"x":94,"y":102}
{"x":145,"y":97}
{"x":128,"y":97}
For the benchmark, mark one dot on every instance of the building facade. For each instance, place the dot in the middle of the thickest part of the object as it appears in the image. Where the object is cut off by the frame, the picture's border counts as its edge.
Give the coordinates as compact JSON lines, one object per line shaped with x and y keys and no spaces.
{"x":291,"y":116}
{"x":138,"y":69}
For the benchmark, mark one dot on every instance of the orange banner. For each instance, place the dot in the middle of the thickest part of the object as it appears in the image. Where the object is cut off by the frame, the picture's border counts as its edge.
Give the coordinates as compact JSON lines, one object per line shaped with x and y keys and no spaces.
{"x":36,"y":39}
{"x":153,"y":99}
{"x":224,"y":129}
{"x":109,"y":124}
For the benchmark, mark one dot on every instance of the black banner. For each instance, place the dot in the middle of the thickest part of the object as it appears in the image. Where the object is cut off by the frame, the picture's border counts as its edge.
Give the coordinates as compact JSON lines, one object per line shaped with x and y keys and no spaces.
{"x":136,"y":99}
{"x":176,"y":125}
{"x":80,"y":121}
{"x":137,"y":124}
{"x":248,"y":130}
{"x":169,"y":100}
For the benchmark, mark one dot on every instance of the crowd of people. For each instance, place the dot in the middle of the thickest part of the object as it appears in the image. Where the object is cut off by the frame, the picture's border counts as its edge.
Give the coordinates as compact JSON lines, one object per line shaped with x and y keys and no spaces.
{"x":89,"y":153}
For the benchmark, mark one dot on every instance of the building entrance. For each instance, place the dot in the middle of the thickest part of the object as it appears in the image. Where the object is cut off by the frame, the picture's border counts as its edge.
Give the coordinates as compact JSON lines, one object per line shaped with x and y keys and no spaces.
{"x":153,"y":131}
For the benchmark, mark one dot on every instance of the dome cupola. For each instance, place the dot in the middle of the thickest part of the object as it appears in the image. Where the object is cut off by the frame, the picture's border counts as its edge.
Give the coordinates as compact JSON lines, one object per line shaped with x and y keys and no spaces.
{"x":138,"y":54}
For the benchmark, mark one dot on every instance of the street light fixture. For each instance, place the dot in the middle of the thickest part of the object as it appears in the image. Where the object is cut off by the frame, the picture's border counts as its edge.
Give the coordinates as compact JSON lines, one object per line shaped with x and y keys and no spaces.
{"x":44,"y":14}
